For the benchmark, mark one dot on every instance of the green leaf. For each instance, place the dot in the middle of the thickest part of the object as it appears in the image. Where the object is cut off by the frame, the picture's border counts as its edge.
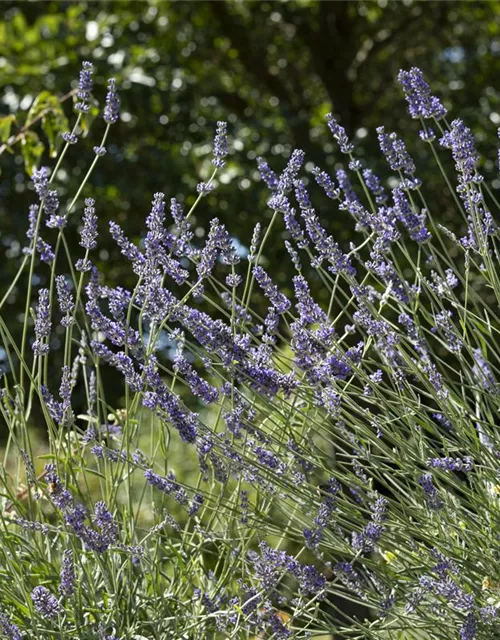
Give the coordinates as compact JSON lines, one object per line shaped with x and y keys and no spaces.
{"x":54,"y":122}
{"x":44,"y":100}
{"x":6,"y":123}
{"x":32,"y":151}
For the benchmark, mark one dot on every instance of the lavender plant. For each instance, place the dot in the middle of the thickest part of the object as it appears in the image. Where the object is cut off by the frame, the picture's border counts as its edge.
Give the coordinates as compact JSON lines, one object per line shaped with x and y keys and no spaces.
{"x":310,"y":471}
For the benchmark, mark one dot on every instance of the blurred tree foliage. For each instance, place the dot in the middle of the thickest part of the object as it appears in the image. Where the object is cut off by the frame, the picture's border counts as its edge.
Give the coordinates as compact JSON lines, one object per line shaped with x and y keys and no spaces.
{"x":271,"y":69}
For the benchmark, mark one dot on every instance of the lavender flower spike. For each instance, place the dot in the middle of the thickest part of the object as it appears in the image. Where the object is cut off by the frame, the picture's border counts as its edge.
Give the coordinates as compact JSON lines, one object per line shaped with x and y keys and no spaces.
{"x":339,"y":134}
{"x":67,"y":585}
{"x":45,"y":603}
{"x":65,"y":299}
{"x":463,"y":149}
{"x":421,"y":103}
{"x":85,"y":87}
{"x":112,"y":108}
{"x":88,"y":234}
{"x":220,"y":145}
{"x":42,"y":323}
{"x":105,"y":522}
{"x":268,"y":175}
{"x":9,"y":629}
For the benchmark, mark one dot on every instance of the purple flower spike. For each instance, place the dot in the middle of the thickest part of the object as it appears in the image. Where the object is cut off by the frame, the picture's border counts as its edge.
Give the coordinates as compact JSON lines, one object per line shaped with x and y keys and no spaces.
{"x":67,"y":584}
{"x":9,"y":629}
{"x":45,"y":603}
{"x":85,"y":86}
{"x":421,"y":103}
{"x":220,"y":145}
{"x":42,"y":323}
{"x":112,"y":108}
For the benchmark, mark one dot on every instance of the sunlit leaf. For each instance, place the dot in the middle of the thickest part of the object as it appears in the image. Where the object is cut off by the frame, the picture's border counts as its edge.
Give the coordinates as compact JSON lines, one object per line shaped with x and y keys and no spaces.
{"x":32,"y":150}
{"x":6,"y":123}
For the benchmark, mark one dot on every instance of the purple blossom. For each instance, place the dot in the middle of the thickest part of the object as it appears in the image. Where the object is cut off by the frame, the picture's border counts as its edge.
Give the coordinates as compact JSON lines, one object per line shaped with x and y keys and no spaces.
{"x":32,"y":218}
{"x":386,"y":271}
{"x":395,"y":152}
{"x":252,"y":252}
{"x":371,"y":533}
{"x":294,"y":256}
{"x":45,"y":603}
{"x":309,"y":311}
{"x":156,"y":243}
{"x":271,"y":564}
{"x":65,"y":388}
{"x":339,"y":134}
{"x":168,"y":485}
{"x":65,"y":299}
{"x":122,"y":362}
{"x":279,"y":301}
{"x":443,"y":420}
{"x":374,"y":186}
{"x":196,"y":504}
{"x":322,"y":520}
{"x":346,"y":186}
{"x":60,"y":496}
{"x":421,"y":103}
{"x":324,"y":181}
{"x":112,"y":108}
{"x":218,"y":243}
{"x":85,"y":86}
{"x":287,"y":178}
{"x":167,"y":404}
{"x":461,"y":142}
{"x":451,"y":464}
{"x":42,"y":324}
{"x":40,"y":179}
{"x":204,"y":188}
{"x":325,"y":245}
{"x":199,"y":387}
{"x":468,"y":631}
{"x":445,"y":326}
{"x":267,"y":174}
{"x":105,"y":522}
{"x":350,"y":577}
{"x":67,"y":582}
{"x":54,"y":407}
{"x":88,"y":235}
{"x":302,"y":196}
{"x":51,"y":206}
{"x":482,"y":371}
{"x":9,"y":629}
{"x":116,"y":331}
{"x":128,"y":249}
{"x":414,"y":222}
{"x":83,"y":265}
{"x":220,"y":145}
{"x":70,"y":138}
{"x":432,"y":497}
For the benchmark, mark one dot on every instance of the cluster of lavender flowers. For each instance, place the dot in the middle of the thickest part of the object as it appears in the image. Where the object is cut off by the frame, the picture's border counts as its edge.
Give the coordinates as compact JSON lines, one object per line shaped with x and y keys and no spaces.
{"x":285,"y":462}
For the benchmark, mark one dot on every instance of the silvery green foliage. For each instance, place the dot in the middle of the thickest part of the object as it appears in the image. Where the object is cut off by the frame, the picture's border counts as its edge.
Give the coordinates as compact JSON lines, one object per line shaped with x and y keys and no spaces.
{"x":279,"y":467}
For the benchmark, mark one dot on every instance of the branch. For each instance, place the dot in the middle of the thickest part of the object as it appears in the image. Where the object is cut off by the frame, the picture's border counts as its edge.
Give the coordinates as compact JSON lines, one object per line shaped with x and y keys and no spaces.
{"x":14,"y":138}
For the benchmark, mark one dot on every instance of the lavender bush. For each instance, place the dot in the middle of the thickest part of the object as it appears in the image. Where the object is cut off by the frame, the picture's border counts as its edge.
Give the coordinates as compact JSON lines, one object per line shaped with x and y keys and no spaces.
{"x":319,"y":471}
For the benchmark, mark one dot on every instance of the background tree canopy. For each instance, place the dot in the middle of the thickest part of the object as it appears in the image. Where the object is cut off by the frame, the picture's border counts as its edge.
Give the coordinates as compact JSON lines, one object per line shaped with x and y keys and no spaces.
{"x":271,"y":69}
